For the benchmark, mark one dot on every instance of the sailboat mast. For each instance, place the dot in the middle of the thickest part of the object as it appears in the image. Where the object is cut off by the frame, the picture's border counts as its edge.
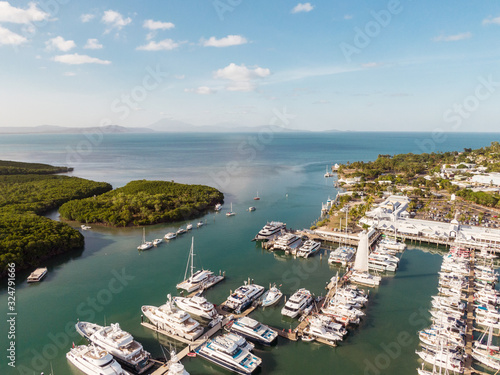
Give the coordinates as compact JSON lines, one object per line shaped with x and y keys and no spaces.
{"x":192,"y":256}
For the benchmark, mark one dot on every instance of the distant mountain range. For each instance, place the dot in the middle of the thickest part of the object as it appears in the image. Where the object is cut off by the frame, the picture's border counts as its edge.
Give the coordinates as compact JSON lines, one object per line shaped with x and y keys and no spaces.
{"x":163,"y":125}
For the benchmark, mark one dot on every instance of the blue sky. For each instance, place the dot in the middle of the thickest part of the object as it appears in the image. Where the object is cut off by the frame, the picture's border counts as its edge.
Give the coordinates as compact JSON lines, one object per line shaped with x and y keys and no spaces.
{"x":357,"y":65}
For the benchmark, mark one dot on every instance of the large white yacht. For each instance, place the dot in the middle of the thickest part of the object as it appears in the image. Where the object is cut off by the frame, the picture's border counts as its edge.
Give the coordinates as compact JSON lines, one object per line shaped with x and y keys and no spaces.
{"x":243,"y":297}
{"x":169,"y":318}
{"x":309,"y":247}
{"x":254,"y":331}
{"x":392,"y":244}
{"x":287,"y":241}
{"x":228,"y":354}
{"x":377,"y":264}
{"x":92,"y":360}
{"x":176,"y":367}
{"x":201,"y":279}
{"x":270,"y":231}
{"x":297,"y":303}
{"x":118,"y":343}
{"x":196,"y":305}
{"x":342,"y":255}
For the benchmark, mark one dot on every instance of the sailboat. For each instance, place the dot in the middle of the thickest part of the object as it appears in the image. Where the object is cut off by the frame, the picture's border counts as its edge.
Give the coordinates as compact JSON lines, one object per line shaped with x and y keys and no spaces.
{"x":487,"y":354}
{"x":360,"y":273}
{"x":145,"y":245}
{"x":230,"y":213}
{"x":328,"y":174}
{"x":256,"y":198}
{"x":201,"y":279}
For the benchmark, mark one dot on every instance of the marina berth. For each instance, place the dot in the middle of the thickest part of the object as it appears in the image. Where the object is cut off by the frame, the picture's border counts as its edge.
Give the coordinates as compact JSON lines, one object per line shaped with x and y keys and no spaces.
{"x":196,"y":305}
{"x":309,"y":248}
{"x":37,"y":275}
{"x":297,"y":303}
{"x":254,"y":330}
{"x":342,"y":255}
{"x":442,"y":359}
{"x":377,"y":264}
{"x":92,"y":360}
{"x":120,"y":344}
{"x":175,"y":365}
{"x":243,"y":297}
{"x":287,"y":242}
{"x":271,"y":296}
{"x":229,"y":355}
{"x":173,"y":320}
{"x":270,"y":231}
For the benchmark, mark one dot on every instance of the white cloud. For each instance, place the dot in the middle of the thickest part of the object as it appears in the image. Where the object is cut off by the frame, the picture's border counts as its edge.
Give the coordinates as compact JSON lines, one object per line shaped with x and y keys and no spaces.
{"x":348,"y":17}
{"x":69,"y":74}
{"x":157,"y":25}
{"x":202,"y":90}
{"x":92,"y":44}
{"x":60,"y":44}
{"x":305,"y":7}
{"x":87,"y":17}
{"x":230,"y":40}
{"x":493,"y":20}
{"x":371,"y":65}
{"x":241,"y":77}
{"x":76,"y":59}
{"x":8,"y":37}
{"x":179,"y":76}
{"x":452,"y":38}
{"x":164,"y":45}
{"x":114,"y":20}
{"x":12,"y":14}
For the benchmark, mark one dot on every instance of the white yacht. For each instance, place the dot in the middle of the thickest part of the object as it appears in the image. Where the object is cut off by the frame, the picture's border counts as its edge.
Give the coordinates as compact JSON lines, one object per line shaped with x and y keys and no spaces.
{"x":170,"y":236}
{"x":85,"y":227}
{"x":342,"y":255}
{"x":175,"y":366}
{"x":251,"y":208}
{"x":297,"y":303}
{"x":360,"y":274}
{"x":218,"y":207}
{"x":254,"y":331}
{"x":309,"y":247}
{"x":287,"y":242}
{"x":377,"y":264}
{"x":37,"y":275}
{"x":237,"y":339}
{"x":230,"y":212}
{"x":145,"y":245}
{"x":441,"y":359}
{"x":229,"y":355}
{"x":157,"y":241}
{"x":392,"y":244}
{"x":181,"y":231}
{"x":243,"y":297}
{"x":173,"y":320}
{"x":92,"y":361}
{"x":189,"y":226}
{"x":118,"y":343}
{"x":200,"y":224}
{"x":201,"y":279}
{"x":320,"y":328}
{"x":271,"y":296}
{"x":270,"y":231}
{"x":196,"y":305}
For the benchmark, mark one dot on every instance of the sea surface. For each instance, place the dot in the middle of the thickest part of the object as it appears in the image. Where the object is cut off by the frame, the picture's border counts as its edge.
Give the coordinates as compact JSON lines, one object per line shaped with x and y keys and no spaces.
{"x":110,"y":280}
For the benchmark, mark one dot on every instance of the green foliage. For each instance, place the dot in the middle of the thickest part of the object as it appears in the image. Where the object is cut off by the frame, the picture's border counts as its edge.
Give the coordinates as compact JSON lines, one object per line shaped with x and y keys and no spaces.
{"x":143,"y":202}
{"x":15,"y":167}
{"x":479,"y":197}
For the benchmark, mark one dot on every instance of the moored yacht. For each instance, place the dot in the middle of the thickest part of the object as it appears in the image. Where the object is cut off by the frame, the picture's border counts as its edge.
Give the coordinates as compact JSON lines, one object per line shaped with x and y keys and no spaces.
{"x":270,"y":231}
{"x":287,"y":242}
{"x":243,"y":297}
{"x":297,"y":303}
{"x":118,"y":343}
{"x":254,"y":331}
{"x":176,"y":367}
{"x":271,"y":296}
{"x":173,"y":320}
{"x":309,"y":247}
{"x":37,"y":275}
{"x":229,"y":355}
{"x":170,"y":236}
{"x":92,"y":360}
{"x":342,"y":255}
{"x":196,"y":305}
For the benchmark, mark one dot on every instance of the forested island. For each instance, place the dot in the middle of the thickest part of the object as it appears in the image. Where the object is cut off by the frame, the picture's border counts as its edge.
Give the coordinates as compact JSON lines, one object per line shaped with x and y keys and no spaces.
{"x":28,"y":191}
{"x":143,"y":202}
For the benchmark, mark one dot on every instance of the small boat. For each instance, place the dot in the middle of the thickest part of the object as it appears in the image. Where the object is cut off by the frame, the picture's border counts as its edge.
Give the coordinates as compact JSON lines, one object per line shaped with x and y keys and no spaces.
{"x":145,"y":245}
{"x":251,"y":208}
{"x":191,"y":354}
{"x":84,"y":227}
{"x":272,"y":296}
{"x":170,"y":236}
{"x":307,"y":338}
{"x":328,"y":174}
{"x":218,"y":207}
{"x":257,"y":198}
{"x":157,"y":241}
{"x":91,"y":360}
{"x":181,"y":231}
{"x":230,"y":213}
{"x":189,"y":226}
{"x":37,"y":275}
{"x":200,"y":224}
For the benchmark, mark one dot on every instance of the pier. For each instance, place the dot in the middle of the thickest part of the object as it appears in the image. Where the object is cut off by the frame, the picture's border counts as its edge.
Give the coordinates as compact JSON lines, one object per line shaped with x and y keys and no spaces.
{"x":469,"y":332}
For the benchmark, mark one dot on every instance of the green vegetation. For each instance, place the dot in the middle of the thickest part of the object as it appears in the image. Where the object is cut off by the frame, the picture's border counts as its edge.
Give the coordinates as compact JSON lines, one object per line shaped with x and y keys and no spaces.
{"x":143,"y":202}
{"x":26,"y":239}
{"x":15,"y":167}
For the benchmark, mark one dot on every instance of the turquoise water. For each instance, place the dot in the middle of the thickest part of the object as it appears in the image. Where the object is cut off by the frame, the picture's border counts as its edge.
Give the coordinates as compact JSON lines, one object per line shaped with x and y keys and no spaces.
{"x":110,"y":280}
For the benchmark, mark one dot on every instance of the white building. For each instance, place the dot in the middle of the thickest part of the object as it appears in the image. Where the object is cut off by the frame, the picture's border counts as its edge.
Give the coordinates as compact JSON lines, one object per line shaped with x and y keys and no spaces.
{"x":487,"y":179}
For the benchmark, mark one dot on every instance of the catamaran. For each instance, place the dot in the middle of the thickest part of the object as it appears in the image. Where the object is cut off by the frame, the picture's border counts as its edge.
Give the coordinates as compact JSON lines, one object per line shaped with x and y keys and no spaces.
{"x":254,"y":330}
{"x":360,"y":273}
{"x":200,"y":279}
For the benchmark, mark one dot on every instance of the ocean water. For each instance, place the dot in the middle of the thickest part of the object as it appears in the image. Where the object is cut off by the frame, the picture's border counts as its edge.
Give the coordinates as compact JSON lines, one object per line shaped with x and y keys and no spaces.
{"x":110,"y":280}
